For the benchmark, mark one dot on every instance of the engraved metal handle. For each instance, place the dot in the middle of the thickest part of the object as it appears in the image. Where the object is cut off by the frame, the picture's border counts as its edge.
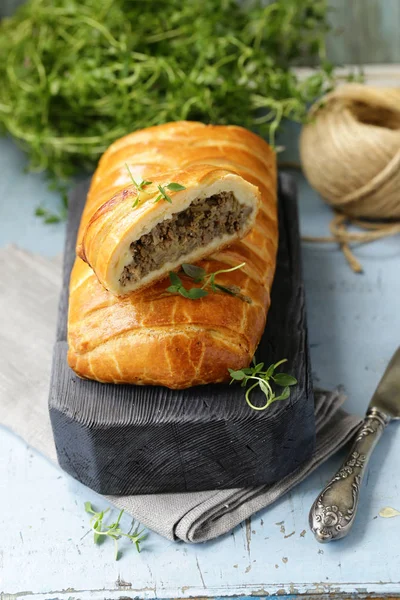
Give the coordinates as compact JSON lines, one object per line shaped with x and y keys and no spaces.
{"x":334,"y":511}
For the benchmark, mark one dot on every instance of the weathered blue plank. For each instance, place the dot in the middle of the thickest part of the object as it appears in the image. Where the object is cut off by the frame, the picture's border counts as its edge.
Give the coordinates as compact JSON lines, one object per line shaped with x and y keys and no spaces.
{"x":20,"y":194}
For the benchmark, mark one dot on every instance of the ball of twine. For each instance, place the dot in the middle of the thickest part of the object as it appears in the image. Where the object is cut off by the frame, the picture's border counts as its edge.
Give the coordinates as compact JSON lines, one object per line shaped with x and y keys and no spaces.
{"x":350,"y":153}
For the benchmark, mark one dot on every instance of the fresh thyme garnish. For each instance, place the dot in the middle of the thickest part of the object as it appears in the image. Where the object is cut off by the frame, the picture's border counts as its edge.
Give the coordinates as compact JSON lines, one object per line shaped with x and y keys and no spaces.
{"x":173,"y":187}
{"x":199,"y":275}
{"x":262,"y":379}
{"x":112,"y":531}
{"x":177,"y":287}
{"x":139,"y":186}
{"x":50,"y":217}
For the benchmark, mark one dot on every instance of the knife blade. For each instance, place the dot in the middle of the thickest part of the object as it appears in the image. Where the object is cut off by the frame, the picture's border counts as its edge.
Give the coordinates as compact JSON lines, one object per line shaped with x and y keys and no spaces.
{"x":334,"y":510}
{"x":386,"y":398}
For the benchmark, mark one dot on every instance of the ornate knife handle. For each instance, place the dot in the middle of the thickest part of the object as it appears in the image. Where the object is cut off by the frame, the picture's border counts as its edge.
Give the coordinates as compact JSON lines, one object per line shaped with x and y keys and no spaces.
{"x":333,"y":512}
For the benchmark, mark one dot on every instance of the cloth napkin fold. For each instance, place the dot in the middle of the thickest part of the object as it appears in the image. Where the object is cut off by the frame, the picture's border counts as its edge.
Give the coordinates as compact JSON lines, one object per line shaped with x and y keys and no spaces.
{"x":28,"y":309}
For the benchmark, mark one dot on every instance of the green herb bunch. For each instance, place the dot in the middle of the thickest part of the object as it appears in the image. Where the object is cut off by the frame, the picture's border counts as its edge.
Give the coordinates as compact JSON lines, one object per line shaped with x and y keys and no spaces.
{"x":77,"y":74}
{"x":200,"y":275}
{"x":113,"y":531}
{"x":263,"y":379}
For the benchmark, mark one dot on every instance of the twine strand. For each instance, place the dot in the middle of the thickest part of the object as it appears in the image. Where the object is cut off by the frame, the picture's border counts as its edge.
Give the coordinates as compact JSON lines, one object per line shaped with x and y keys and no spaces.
{"x":342,"y":236}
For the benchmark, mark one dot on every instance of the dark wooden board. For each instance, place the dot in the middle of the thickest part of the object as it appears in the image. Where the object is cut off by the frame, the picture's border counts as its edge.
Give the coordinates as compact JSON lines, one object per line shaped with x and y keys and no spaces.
{"x":121,"y":439}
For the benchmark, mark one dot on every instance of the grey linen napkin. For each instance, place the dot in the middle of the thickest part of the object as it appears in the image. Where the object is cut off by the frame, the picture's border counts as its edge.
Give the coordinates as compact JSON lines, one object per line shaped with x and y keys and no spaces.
{"x":28,"y":309}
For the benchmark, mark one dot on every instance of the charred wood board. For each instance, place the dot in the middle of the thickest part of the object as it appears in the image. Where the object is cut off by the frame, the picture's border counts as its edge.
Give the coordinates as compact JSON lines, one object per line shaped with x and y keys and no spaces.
{"x":125,"y":439}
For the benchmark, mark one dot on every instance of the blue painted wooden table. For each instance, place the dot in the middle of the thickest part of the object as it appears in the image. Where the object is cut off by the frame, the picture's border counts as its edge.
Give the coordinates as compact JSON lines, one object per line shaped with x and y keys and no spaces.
{"x":354,"y":326}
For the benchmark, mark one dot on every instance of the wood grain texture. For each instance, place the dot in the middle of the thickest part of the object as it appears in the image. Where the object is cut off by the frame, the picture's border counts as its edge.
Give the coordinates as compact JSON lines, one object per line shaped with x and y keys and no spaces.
{"x":143,"y":439}
{"x":364,"y":31}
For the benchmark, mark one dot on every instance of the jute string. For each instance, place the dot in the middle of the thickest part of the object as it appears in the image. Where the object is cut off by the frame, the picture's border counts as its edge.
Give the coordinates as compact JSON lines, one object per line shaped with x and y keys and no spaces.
{"x":350,"y":153}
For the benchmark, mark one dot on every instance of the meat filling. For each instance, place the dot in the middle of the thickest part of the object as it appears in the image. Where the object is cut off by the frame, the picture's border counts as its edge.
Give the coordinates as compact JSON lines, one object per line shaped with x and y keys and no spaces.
{"x":203,"y":221}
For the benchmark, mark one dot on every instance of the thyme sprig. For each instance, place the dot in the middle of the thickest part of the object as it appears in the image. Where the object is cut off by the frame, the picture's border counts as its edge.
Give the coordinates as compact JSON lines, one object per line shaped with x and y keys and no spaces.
{"x":177,"y":287}
{"x":139,"y":186}
{"x":263,"y":379}
{"x":49,"y":216}
{"x":200,"y":275}
{"x":173,"y":187}
{"x":113,"y":531}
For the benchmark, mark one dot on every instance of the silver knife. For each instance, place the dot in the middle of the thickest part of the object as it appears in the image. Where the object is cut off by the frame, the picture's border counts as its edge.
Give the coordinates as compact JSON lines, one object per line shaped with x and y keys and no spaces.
{"x":334,"y":511}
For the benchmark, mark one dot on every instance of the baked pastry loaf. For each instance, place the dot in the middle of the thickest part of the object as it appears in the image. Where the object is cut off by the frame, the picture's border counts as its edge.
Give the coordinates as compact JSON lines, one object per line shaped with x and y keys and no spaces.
{"x":152,"y":336}
{"x":139,"y":235}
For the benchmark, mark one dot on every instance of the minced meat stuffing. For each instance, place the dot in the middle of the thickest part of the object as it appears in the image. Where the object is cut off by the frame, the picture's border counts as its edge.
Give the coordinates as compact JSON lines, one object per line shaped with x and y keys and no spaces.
{"x":204,"y":220}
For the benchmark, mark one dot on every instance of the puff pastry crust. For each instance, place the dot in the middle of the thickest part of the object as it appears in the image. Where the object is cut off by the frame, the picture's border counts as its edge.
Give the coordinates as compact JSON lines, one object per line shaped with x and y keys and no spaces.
{"x":106,"y":238}
{"x":150,"y":336}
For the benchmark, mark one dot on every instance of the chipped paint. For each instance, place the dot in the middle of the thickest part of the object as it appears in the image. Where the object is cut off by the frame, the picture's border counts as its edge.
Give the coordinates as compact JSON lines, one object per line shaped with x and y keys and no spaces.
{"x":303,"y":533}
{"x":248,"y":534}
{"x":121,"y":583}
{"x":388,"y":512}
{"x":289,"y":535}
{"x":185,"y":588}
{"x":15,"y":596}
{"x":260,"y":592}
{"x":284,"y":559}
{"x":200,"y":572}
{"x":325,"y":590}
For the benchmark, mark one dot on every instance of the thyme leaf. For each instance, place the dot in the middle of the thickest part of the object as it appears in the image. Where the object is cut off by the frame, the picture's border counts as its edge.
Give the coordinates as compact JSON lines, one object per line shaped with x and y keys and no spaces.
{"x":102,"y":531}
{"x":174,"y":187}
{"x":199,"y":275}
{"x":196,"y":273}
{"x":50,"y":216}
{"x":139,"y":186}
{"x":262,"y":379}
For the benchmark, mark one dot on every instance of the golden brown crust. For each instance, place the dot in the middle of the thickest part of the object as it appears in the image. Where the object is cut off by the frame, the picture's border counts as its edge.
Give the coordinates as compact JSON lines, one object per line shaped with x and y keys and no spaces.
{"x":109,"y":231}
{"x":151,"y":336}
